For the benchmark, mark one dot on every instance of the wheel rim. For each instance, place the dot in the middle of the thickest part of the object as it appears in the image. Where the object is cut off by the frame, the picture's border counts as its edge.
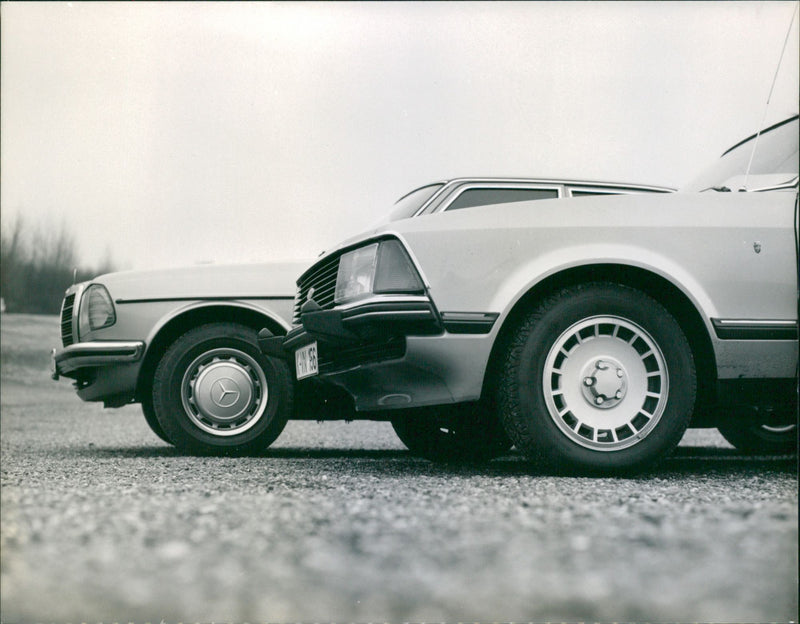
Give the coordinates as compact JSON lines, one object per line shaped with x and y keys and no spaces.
{"x":605,"y":383}
{"x":778,"y":430}
{"x":224,"y":392}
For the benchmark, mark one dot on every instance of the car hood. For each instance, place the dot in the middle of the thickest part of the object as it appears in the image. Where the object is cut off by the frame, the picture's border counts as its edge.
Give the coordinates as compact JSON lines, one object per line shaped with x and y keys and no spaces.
{"x":219,"y":281}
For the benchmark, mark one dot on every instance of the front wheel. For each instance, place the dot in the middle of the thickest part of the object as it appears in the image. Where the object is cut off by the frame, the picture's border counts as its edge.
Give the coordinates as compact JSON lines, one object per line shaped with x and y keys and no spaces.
{"x":465,"y":433}
{"x":599,"y":377}
{"x":215,"y":392}
{"x":152,"y":420}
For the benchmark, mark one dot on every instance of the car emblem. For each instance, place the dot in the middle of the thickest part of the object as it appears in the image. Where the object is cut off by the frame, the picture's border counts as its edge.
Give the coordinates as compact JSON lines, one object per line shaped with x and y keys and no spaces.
{"x":310,"y":294}
{"x":225,"y":392}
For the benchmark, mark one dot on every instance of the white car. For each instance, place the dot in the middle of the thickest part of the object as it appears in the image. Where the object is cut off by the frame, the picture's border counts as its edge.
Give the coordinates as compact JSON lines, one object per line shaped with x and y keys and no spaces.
{"x":587,"y":331}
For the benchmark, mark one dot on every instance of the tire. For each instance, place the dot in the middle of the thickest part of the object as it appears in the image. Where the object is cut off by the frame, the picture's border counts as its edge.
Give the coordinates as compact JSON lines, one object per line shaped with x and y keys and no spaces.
{"x":215,"y":392}
{"x":761,"y":439}
{"x":457,"y":433}
{"x":151,"y":419}
{"x":597,"y":378}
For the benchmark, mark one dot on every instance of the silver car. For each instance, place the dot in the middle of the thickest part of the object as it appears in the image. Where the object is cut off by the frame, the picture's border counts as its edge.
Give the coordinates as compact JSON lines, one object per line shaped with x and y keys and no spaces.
{"x":183,"y":342}
{"x":590,"y":332}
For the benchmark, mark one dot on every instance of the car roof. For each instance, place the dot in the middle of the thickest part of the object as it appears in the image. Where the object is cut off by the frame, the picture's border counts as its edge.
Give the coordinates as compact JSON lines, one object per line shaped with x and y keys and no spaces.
{"x":559,"y":181}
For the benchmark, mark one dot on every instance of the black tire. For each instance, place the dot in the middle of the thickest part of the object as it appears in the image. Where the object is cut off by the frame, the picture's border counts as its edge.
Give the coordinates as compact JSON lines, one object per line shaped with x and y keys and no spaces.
{"x":597,"y":378}
{"x":459,"y":433}
{"x":151,"y":419}
{"x":761,"y":439}
{"x":215,"y":392}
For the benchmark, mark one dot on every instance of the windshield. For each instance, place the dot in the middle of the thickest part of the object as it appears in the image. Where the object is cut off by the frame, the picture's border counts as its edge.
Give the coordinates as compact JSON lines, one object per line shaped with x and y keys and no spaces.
{"x":408,"y":205}
{"x":776,"y":152}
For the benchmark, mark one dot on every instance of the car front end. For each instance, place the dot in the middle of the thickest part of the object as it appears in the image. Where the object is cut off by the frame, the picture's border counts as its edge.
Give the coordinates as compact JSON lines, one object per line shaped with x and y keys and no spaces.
{"x":116,"y":327}
{"x":365,"y":320}
{"x":103,"y":366}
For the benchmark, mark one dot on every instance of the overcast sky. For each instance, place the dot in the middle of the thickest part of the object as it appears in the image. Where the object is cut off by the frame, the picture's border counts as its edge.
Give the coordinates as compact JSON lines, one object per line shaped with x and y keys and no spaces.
{"x":177,"y":133}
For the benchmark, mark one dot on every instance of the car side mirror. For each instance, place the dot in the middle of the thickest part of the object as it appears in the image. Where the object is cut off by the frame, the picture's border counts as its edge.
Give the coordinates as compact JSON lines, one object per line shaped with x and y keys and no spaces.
{"x":754,"y":183}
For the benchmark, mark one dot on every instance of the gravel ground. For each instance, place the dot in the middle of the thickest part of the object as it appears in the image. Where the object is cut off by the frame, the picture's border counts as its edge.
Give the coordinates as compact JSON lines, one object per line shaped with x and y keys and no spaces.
{"x":102,"y":522}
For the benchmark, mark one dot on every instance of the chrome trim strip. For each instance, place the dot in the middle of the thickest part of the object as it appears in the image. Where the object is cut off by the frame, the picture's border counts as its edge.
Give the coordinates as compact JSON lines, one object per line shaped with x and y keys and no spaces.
{"x":752,"y":329}
{"x":449,"y":185}
{"x":757,"y":323}
{"x":469,"y":322}
{"x":92,"y":354}
{"x":469,"y":316}
{"x":228,"y":298}
{"x":395,"y":314}
{"x":381,"y":299}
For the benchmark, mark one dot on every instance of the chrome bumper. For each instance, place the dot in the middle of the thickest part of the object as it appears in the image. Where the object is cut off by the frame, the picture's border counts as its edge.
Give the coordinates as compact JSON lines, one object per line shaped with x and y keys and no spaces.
{"x":71,"y":359}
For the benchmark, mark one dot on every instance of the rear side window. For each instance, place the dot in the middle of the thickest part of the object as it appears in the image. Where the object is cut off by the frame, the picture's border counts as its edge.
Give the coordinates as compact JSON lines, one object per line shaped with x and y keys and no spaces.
{"x":488,"y":196}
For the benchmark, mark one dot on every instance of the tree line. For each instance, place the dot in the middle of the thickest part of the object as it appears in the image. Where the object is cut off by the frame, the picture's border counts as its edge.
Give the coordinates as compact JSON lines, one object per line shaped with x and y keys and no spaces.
{"x":37,"y":264}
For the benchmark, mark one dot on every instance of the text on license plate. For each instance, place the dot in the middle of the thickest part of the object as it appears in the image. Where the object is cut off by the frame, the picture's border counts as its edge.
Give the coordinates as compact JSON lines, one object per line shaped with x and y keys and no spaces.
{"x":305,"y":360}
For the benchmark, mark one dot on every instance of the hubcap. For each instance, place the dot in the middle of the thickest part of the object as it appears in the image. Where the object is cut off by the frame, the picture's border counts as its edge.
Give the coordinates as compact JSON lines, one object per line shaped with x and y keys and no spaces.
{"x":605,"y":383}
{"x":224,"y":392}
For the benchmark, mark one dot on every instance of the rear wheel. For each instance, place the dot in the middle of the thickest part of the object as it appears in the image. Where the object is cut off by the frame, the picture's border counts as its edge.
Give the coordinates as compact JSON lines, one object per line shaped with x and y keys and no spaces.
{"x":215,"y":392}
{"x":599,"y":377}
{"x":467,"y":432}
{"x":761,"y":438}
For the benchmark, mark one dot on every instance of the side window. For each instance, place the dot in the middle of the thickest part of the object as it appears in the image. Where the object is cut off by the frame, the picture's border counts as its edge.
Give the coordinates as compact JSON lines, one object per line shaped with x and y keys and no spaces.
{"x":488,"y":196}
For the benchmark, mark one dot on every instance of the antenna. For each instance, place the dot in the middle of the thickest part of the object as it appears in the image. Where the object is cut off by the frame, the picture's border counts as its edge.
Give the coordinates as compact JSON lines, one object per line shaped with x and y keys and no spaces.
{"x":74,"y":275}
{"x":769,"y":97}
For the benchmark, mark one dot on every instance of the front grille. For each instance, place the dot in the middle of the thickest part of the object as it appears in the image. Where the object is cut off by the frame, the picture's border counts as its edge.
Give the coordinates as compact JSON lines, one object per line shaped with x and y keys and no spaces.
{"x":66,"y":320}
{"x":322,"y":279}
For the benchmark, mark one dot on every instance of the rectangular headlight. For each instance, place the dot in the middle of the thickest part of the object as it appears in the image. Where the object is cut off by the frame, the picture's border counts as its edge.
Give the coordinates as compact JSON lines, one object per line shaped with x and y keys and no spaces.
{"x":356,"y":273}
{"x":380,"y":268}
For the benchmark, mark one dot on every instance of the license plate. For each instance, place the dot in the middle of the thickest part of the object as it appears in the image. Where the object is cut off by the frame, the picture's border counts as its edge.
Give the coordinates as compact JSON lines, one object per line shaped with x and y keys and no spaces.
{"x":305,"y":360}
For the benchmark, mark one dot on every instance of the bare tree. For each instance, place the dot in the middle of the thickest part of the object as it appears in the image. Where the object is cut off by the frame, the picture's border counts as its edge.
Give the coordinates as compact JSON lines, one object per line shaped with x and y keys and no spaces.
{"x":37,"y":268}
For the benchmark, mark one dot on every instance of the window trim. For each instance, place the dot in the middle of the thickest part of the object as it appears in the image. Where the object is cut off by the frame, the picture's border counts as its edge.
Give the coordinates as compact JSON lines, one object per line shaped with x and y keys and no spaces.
{"x":600,"y":190}
{"x":444,"y":204}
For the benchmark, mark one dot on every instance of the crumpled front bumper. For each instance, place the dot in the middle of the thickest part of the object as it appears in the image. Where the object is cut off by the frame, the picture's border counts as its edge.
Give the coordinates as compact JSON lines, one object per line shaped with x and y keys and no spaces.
{"x":389,"y":352}
{"x":375,"y":321}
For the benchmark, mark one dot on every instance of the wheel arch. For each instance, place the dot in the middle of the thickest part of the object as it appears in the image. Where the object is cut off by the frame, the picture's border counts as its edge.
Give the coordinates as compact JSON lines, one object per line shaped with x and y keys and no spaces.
{"x":193,"y":317}
{"x":674,"y":300}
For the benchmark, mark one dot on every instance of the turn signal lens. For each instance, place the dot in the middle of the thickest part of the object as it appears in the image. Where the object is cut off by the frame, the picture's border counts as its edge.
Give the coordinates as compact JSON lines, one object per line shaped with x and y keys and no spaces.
{"x":395,"y":272}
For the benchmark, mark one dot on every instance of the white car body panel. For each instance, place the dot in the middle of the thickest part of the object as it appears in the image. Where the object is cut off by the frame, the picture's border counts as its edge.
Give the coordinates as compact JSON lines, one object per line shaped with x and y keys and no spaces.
{"x":146,"y":302}
{"x":718,"y":269}
{"x":707,"y":263}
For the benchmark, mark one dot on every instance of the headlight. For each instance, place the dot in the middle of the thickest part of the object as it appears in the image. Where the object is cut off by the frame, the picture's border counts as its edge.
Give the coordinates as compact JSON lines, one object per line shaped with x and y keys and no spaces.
{"x":97,"y":310}
{"x":379,"y":268}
